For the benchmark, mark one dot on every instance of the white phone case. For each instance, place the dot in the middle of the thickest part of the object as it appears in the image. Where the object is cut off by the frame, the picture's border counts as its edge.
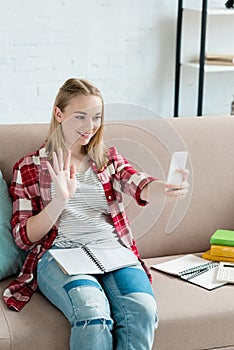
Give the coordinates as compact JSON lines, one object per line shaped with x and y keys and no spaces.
{"x":178,"y":161}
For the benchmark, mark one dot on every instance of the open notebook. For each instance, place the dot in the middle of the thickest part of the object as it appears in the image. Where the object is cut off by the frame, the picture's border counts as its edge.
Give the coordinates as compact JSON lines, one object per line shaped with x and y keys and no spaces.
{"x":93,"y":259}
{"x":193,"y":269}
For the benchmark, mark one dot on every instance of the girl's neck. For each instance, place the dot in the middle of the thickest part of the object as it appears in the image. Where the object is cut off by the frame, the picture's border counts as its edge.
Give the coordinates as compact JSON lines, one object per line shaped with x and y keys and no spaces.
{"x":78,"y":156}
{"x":76,"y":152}
{"x":80,"y":160}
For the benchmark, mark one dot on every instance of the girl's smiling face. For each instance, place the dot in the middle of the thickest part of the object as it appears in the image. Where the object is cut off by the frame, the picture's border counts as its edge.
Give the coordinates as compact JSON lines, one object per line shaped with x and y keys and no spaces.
{"x":80,"y":120}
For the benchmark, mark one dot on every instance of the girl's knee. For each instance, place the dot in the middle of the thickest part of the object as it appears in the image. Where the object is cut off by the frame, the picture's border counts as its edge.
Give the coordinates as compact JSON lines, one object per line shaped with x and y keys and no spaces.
{"x":145,"y":307}
{"x":89,"y":303}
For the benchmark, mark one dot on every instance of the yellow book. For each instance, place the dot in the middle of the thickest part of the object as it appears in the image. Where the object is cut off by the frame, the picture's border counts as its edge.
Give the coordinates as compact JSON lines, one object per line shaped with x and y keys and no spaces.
{"x":206,"y":255}
{"x":222,"y":250}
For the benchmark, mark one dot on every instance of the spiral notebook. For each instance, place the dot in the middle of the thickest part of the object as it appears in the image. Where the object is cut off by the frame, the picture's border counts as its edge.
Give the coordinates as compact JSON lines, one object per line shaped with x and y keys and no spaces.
{"x":93,"y":259}
{"x":194,"y":269}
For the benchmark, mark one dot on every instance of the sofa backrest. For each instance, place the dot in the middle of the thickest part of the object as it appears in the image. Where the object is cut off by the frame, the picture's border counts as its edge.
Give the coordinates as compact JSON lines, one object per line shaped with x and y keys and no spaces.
{"x":184,"y":226}
{"x":167,"y":228}
{"x":17,"y":140}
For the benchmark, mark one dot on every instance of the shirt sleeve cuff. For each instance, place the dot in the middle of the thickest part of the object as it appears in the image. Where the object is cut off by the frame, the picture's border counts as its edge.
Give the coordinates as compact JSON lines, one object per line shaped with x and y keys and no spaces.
{"x":23,"y":241}
{"x":140,"y":187}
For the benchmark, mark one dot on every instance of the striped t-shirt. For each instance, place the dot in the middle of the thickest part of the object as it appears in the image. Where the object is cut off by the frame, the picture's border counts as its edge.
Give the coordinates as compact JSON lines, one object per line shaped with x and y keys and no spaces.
{"x":86,"y":218}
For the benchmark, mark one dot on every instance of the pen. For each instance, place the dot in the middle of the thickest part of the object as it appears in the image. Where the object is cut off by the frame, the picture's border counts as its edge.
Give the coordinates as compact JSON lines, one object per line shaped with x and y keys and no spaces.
{"x":195,"y":274}
{"x":193,"y":270}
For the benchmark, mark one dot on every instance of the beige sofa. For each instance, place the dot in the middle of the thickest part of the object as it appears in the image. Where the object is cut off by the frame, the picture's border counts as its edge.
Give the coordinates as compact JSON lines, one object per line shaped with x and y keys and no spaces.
{"x":190,"y":317}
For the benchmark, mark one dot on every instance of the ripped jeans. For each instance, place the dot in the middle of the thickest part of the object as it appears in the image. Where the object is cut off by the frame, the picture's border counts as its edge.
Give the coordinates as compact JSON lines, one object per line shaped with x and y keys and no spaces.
{"x":116,"y":310}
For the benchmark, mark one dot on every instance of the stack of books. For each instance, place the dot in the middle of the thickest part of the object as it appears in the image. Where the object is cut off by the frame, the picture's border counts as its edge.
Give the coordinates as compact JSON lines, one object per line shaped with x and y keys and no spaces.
{"x":220,"y":59}
{"x":221,"y":246}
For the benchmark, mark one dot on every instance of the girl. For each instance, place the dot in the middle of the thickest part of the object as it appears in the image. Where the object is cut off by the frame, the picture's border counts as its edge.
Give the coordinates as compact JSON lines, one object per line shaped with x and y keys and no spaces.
{"x":68,"y":194}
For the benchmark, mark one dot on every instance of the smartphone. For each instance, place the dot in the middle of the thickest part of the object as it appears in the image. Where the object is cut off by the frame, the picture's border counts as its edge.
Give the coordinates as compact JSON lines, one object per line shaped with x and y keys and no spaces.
{"x":178,"y":161}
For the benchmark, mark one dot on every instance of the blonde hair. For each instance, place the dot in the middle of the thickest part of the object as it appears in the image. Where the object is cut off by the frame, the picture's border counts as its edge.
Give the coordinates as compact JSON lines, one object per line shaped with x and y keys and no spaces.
{"x":95,"y":149}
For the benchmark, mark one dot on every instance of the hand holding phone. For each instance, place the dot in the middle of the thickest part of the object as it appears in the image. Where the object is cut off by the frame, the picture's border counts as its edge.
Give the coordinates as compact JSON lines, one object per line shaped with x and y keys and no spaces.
{"x":178,"y":161}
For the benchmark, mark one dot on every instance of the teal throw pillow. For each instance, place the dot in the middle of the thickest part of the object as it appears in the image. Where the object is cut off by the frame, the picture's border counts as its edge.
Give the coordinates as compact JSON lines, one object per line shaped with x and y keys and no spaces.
{"x":11,"y":257}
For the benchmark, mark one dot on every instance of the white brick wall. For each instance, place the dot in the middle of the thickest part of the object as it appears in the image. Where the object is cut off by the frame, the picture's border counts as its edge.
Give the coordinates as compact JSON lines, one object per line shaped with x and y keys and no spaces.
{"x":125,"y":47}
{"x":115,"y":44}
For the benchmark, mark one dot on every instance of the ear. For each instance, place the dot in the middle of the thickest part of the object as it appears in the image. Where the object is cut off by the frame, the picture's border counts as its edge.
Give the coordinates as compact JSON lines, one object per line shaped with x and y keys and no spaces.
{"x":58,"y":114}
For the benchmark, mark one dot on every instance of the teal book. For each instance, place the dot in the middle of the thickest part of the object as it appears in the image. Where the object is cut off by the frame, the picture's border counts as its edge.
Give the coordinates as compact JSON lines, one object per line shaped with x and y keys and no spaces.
{"x":223,"y":237}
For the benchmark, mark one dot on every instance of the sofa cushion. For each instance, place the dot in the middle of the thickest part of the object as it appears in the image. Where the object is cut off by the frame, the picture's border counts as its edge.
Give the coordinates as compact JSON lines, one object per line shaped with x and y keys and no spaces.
{"x":191,"y":317}
{"x":11,"y":257}
{"x":38,"y":326}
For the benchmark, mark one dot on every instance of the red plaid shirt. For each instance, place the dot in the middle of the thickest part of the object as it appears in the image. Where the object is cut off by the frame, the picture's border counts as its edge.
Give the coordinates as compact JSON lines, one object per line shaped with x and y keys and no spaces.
{"x":30,"y":190}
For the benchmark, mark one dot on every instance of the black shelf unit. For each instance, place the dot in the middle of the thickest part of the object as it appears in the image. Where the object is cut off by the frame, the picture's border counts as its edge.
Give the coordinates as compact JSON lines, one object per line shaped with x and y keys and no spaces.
{"x":201,"y":57}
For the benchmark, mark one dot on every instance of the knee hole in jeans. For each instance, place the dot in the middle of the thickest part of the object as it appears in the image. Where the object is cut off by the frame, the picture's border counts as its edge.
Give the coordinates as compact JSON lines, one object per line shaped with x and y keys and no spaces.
{"x":90,"y":304}
{"x":98,"y":321}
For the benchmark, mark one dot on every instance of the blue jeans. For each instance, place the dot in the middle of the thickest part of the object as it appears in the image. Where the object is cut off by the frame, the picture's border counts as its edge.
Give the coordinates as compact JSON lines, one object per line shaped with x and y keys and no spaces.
{"x":116,"y":310}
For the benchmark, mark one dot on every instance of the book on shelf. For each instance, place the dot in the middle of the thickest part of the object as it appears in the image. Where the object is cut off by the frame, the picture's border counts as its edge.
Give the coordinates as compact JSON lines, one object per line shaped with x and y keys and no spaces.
{"x":229,"y":58}
{"x":194,"y":269}
{"x":89,"y":259}
{"x":208,"y":256}
{"x":218,"y":63}
{"x":223,"y":237}
{"x":222,"y":250}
